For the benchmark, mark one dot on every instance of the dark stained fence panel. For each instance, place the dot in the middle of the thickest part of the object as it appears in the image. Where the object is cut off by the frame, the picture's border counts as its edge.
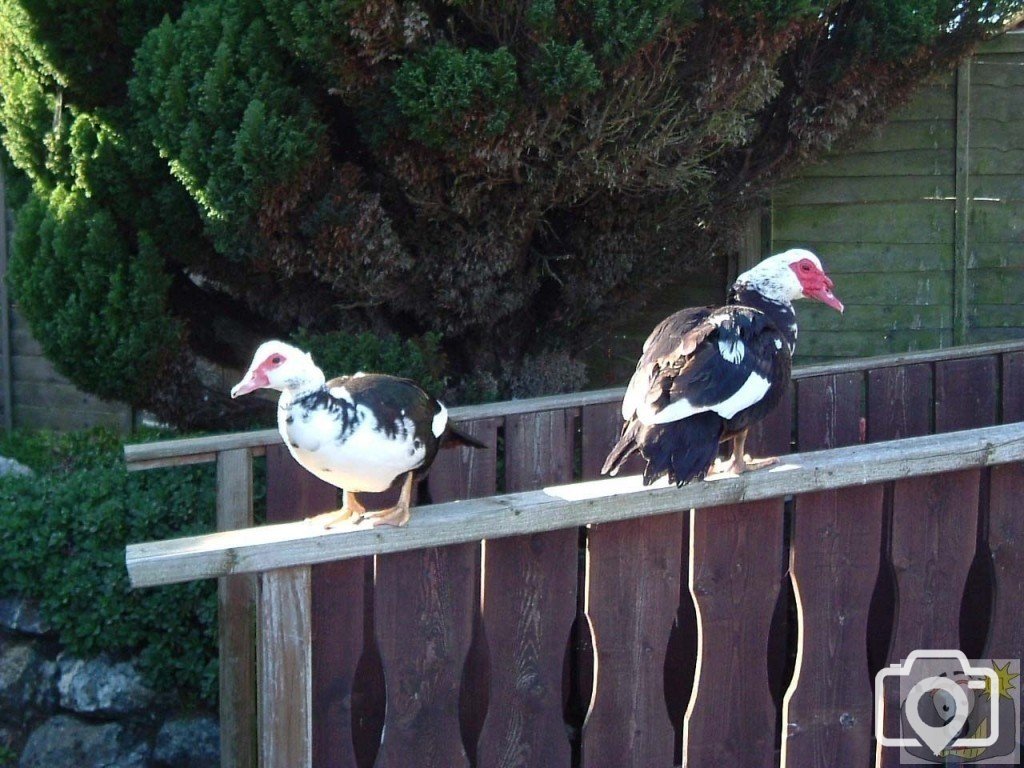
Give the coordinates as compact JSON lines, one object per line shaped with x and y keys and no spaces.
{"x":529,"y":605}
{"x":601,"y":426}
{"x":292,"y":492}
{"x":836,"y":546}
{"x":836,"y":550}
{"x":460,"y":472}
{"x":966,"y":393}
{"x":829,"y":413}
{"x":934,"y":530}
{"x":423,"y":608}
{"x":736,"y":565}
{"x":1005,"y":537}
{"x":773,"y":435}
{"x":632,"y":601}
{"x":539,"y":449}
{"x":337,"y":626}
{"x":1013,"y":387}
{"x":899,"y":402}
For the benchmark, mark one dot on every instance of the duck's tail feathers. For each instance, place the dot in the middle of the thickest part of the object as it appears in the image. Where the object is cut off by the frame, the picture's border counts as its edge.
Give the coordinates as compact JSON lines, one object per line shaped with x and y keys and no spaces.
{"x":684,"y":449}
{"x":624,"y":448}
{"x":454,"y":436}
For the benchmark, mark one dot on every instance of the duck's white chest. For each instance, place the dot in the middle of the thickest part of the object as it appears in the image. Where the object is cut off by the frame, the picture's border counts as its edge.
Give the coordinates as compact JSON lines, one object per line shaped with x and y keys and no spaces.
{"x":357,"y":455}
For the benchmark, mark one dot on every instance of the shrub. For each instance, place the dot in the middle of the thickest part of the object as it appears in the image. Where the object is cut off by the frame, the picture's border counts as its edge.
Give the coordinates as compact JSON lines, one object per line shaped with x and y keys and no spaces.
{"x":338,"y":354}
{"x":213,"y":91}
{"x":62,"y":539}
{"x":96,"y":302}
{"x":443,"y":91}
{"x":506,"y":174}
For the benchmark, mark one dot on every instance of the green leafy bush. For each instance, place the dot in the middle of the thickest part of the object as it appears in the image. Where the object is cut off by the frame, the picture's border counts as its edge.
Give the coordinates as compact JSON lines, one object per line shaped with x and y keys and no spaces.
{"x":96,"y":302}
{"x":62,"y":539}
{"x":507,"y":174}
{"x":446,"y":88}
{"x":341,"y":354}
{"x":566,"y":70}
{"x":213,"y":90}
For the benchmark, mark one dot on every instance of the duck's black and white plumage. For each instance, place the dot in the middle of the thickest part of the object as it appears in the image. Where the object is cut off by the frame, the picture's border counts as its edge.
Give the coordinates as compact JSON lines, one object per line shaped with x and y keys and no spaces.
{"x":707,"y":374}
{"x":359,"y":433}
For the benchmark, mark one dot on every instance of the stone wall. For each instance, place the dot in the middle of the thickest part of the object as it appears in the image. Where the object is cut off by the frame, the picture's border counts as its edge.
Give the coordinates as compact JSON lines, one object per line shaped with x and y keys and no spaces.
{"x":58,"y":711}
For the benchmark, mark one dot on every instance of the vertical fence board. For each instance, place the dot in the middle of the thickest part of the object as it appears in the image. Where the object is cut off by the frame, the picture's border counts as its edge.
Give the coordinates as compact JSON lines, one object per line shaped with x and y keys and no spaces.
{"x":337,"y":606}
{"x":899,"y":402}
{"x":773,"y":436}
{"x":1013,"y":387}
{"x":632,"y":601}
{"x":601,"y":426}
{"x":934,"y":532}
{"x":835,"y":559}
{"x":1006,"y":541}
{"x":337,"y":628}
{"x":423,"y":608}
{"x":285,"y":669}
{"x":966,"y":393}
{"x":736,"y":555}
{"x":467,"y":473}
{"x":834,"y":565}
{"x":539,"y":449}
{"x":830,"y":411}
{"x":236,"y":619}
{"x":292,"y":492}
{"x":529,"y":606}
{"x":966,"y":397}
{"x":935,"y":522}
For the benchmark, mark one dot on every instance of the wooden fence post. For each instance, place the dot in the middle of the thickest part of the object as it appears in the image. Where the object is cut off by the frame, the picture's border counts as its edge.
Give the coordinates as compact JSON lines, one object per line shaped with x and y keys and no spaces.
{"x":286,"y":669}
{"x":236,"y":599}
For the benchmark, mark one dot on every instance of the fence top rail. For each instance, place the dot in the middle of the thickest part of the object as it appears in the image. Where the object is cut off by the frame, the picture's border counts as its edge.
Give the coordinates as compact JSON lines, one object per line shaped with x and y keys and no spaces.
{"x":195,"y":450}
{"x":303,"y":543}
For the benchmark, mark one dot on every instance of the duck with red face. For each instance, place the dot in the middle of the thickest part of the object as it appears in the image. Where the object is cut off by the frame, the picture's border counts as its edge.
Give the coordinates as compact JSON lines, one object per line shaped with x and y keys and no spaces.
{"x":359,"y":433}
{"x":707,"y":374}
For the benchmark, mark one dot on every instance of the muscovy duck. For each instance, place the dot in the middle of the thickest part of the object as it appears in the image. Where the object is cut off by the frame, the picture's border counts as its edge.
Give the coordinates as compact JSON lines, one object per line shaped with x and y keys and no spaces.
{"x":707,"y":374}
{"x":359,"y":433}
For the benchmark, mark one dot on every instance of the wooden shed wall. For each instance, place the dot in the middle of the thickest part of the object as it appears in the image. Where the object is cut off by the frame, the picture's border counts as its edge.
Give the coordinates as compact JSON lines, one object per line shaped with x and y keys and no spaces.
{"x":922,"y":225}
{"x":33,"y":395}
{"x":43,"y":398}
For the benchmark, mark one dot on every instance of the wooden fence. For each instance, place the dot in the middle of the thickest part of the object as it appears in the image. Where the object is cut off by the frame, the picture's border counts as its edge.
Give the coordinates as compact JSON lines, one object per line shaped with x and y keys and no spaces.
{"x":552,"y":626}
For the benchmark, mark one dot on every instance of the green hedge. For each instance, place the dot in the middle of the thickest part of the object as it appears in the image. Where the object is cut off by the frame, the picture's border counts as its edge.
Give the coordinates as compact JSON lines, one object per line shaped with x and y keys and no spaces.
{"x":342,"y":354}
{"x":62,"y":539}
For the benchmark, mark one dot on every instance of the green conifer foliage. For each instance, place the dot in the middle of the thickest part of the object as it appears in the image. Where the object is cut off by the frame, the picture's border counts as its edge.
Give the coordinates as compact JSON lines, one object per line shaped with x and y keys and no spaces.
{"x":495,"y":177}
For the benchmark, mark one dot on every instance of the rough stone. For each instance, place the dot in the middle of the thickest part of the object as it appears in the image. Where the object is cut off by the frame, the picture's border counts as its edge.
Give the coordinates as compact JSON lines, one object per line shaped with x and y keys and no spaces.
{"x":188,"y":742}
{"x":100,"y":686}
{"x":12,"y":467}
{"x":19,"y":615}
{"x":27,"y":681}
{"x":66,"y":742}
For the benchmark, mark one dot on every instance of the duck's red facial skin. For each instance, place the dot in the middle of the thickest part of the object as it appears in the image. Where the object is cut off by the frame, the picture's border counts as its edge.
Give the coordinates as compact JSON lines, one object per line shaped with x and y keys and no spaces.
{"x":815,"y":283}
{"x":258,"y":377}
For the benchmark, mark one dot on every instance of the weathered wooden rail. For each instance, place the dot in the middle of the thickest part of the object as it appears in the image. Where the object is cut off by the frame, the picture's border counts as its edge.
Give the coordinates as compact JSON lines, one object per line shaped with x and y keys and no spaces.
{"x":477,"y":636}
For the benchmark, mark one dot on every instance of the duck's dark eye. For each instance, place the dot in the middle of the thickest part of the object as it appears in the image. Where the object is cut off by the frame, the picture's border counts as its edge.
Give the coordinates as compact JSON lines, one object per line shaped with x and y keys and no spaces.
{"x":805,"y":267}
{"x":277,"y":360}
